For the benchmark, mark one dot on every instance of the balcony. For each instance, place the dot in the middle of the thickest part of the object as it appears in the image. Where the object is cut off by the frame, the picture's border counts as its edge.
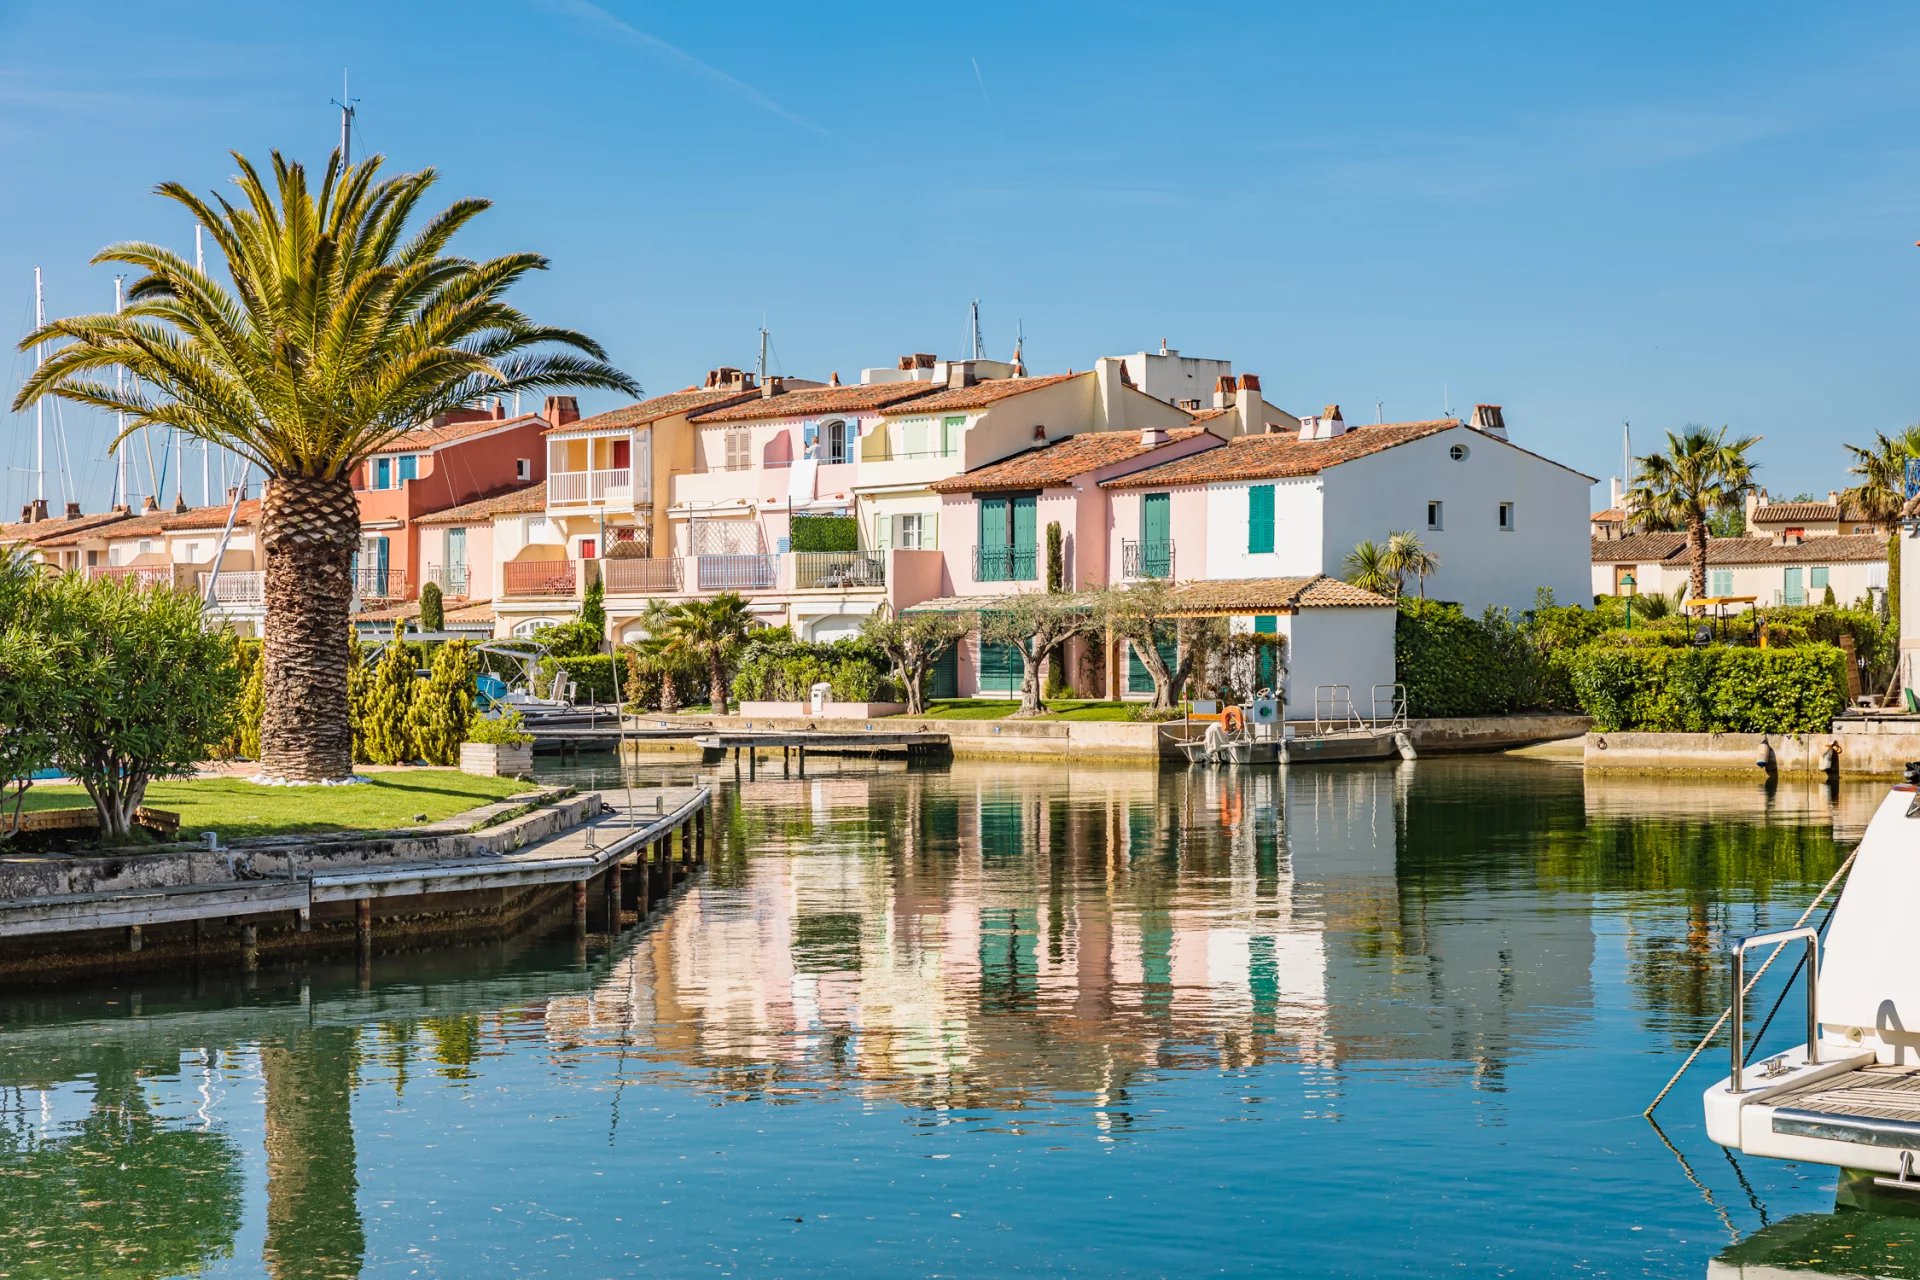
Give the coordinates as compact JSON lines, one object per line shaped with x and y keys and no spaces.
{"x":1146,"y":560}
{"x":591,"y":488}
{"x":538,"y":577}
{"x":1003,"y":564}
{"x":641,"y":576}
{"x":757,"y":572}
{"x":839,"y":570}
{"x":139,"y":575}
{"x":236,"y":588}
{"x":379,"y":584}
{"x":450,"y":578}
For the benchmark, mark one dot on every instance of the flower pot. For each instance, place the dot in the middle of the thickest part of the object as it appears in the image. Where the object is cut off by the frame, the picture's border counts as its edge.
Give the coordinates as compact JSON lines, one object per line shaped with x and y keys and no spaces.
{"x":491,"y":760}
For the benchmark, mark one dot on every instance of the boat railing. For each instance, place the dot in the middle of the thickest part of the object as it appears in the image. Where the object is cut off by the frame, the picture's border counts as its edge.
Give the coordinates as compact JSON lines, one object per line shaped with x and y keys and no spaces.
{"x":1805,"y":933}
{"x":1389,"y":706}
{"x":1333,"y":710}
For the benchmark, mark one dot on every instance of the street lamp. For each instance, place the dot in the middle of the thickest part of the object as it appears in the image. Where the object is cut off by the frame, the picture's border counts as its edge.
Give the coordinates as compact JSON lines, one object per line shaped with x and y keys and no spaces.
{"x":1627,"y":581}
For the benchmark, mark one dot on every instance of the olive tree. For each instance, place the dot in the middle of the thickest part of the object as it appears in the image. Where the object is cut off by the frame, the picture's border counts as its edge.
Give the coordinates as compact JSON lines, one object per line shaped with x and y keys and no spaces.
{"x":1146,"y":615}
{"x":913,"y":643}
{"x":1034,"y":624}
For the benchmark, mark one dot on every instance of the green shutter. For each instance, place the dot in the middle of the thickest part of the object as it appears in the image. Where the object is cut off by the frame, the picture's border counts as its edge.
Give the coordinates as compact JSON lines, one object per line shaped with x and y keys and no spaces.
{"x":1792,"y":582}
{"x":1000,"y":668}
{"x":1817,"y":577}
{"x":1139,"y":679}
{"x":1266,"y":671}
{"x":1259,"y":519}
{"x":950,"y":429}
{"x":990,"y":552}
{"x":944,"y":680}
{"x":1025,"y":509}
{"x":930,"y":532}
{"x":882,"y":532}
{"x":1156,"y":535}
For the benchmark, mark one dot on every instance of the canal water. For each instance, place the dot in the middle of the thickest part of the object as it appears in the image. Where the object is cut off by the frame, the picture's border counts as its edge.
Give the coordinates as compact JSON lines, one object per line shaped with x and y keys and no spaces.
{"x":1008,"y":1019}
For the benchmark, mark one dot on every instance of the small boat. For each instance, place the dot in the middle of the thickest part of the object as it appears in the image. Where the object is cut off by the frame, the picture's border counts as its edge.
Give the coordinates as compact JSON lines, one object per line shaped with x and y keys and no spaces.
{"x":1253,"y":732}
{"x":507,"y":681}
{"x":1849,"y":1094}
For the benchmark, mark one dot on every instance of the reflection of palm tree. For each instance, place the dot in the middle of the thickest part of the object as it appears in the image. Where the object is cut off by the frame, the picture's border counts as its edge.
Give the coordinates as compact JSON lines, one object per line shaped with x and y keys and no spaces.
{"x":313,"y":1221}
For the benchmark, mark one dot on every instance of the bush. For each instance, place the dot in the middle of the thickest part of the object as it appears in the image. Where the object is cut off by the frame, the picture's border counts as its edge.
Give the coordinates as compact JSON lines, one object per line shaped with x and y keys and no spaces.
{"x":774,"y":667}
{"x":442,"y":704}
{"x":1710,"y":690}
{"x":389,"y":695}
{"x":503,"y":730}
{"x":592,"y":676}
{"x":823,"y":533}
{"x":243,"y":739}
{"x":593,"y":610}
{"x":1453,"y":665}
{"x":655,"y":680}
{"x":433,"y":613}
{"x":577,"y":639}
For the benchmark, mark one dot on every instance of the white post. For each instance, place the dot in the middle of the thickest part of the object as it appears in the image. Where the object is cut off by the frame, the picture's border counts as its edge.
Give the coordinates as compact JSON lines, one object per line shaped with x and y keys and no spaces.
{"x":119,"y":416}
{"x":39,"y":405}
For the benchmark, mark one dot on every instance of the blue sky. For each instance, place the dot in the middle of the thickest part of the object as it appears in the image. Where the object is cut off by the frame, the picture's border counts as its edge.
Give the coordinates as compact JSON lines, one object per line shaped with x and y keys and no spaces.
{"x":1656,"y":213}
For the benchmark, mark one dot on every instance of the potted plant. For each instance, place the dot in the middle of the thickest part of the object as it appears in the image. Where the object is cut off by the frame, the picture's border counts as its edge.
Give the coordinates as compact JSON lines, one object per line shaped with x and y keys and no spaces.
{"x":497,"y":746}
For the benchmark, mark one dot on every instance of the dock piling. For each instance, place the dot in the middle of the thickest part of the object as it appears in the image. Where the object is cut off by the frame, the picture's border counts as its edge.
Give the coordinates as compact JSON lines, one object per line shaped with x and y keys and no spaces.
{"x":134,"y":941}
{"x":249,"y":947}
{"x":580,"y":906}
{"x":363,"y":924}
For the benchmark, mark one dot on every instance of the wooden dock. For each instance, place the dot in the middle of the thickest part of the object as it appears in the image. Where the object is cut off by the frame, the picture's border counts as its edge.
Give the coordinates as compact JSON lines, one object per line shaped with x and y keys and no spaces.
{"x":794,"y":744}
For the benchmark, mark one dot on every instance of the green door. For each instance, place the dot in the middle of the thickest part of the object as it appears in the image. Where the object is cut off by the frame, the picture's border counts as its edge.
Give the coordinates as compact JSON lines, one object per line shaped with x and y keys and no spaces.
{"x":1266,"y":671}
{"x":1139,"y":679}
{"x":1025,"y":513}
{"x":990,"y":553}
{"x":1000,"y":668}
{"x":1794,"y":590}
{"x":1156,"y":535}
{"x":944,"y":680}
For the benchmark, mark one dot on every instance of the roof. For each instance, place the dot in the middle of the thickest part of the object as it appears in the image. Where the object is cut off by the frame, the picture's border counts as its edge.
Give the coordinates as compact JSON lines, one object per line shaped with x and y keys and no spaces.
{"x":985,"y":392}
{"x":524,"y":500}
{"x":1803,"y":513}
{"x":1638,"y":548}
{"x":1281,"y":454}
{"x":39,"y":530}
{"x":812,"y":401}
{"x":128,"y":526}
{"x":214,"y":517}
{"x":1215,"y":597}
{"x":1847,"y":548}
{"x":434,"y":437}
{"x":1612,"y":515}
{"x":1060,"y":461}
{"x":686,"y":400}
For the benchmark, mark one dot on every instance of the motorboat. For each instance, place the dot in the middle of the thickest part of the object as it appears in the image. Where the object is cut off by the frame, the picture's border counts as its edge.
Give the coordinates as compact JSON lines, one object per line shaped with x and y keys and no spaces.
{"x":1254,"y":732}
{"x":507,"y":681}
{"x":1849,"y":1094}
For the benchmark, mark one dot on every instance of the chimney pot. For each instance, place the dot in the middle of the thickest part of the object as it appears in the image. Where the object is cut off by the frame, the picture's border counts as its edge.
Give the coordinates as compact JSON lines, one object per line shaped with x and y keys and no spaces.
{"x":148,"y":506}
{"x":1249,"y":382}
{"x":1833,"y":497}
{"x":73,"y":511}
{"x":26,"y":513}
{"x":560,"y":410}
{"x":923,"y":360}
{"x":1487,"y":418}
{"x":833,"y":379}
{"x":179,"y":503}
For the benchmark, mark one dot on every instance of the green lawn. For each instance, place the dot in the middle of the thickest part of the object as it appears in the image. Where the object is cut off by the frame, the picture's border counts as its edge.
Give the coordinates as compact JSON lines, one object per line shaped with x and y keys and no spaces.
{"x":1057,"y":709}
{"x":239,"y":810}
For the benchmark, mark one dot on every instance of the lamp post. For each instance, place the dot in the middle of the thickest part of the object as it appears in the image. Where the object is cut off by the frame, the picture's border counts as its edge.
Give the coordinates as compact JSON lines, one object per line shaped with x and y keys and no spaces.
{"x":1627,"y":581}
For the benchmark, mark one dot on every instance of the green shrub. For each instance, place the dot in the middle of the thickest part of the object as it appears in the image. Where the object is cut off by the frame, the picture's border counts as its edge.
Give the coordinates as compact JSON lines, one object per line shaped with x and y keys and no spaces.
{"x":389,"y":695}
{"x":1718,"y":689}
{"x":506,"y":729}
{"x":433,"y":613}
{"x":442,"y":704}
{"x":593,"y":610}
{"x":823,"y":533}
{"x":577,"y":639}
{"x":243,"y":740}
{"x":1454,"y":665}
{"x":774,"y":667}
{"x":592,"y":676}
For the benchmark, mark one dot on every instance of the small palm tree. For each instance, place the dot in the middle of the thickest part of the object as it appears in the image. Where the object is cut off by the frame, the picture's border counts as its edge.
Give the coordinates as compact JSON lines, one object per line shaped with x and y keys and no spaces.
{"x":1366,"y":567}
{"x":709,"y":632}
{"x":1700,"y":473}
{"x":1406,"y":554}
{"x":1882,"y":492}
{"x":343,"y":329}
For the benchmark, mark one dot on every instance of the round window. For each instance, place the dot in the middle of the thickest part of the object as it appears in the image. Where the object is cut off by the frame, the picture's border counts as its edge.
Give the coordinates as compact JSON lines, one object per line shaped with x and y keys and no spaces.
{"x":1458,"y":453}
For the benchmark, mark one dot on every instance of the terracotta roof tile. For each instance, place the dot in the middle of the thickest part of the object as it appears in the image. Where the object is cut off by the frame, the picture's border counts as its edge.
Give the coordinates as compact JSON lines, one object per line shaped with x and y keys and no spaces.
{"x":1273,"y":595}
{"x":984,"y":393}
{"x":1849,"y":548}
{"x":132,"y":526}
{"x":1612,"y":515}
{"x":686,"y":400}
{"x":1638,"y":548}
{"x":1060,"y":461}
{"x":40,"y":531}
{"x":214,"y":517}
{"x":525,"y":500}
{"x":817,"y":401}
{"x":1280,"y":455}
{"x":1803,"y":513}
{"x":434,"y":437}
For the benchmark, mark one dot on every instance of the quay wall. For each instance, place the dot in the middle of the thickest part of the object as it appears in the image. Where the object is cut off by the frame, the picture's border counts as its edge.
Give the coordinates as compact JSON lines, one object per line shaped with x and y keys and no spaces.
{"x":1866,"y":749}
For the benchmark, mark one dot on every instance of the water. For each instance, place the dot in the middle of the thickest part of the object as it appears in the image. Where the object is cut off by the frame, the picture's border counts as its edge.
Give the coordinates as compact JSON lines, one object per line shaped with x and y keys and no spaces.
{"x":1003,"y":1019}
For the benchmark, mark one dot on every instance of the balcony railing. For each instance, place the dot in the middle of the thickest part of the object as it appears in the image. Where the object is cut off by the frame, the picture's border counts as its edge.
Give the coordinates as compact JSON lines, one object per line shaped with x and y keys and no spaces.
{"x":235,"y":587}
{"x":1003,"y":564}
{"x":380,"y":584}
{"x":450,"y":578}
{"x":641,"y":577}
{"x":1146,"y":559}
{"x":538,"y":577}
{"x":839,"y":569}
{"x":140,"y":575}
{"x":591,"y":487}
{"x":758,"y":572}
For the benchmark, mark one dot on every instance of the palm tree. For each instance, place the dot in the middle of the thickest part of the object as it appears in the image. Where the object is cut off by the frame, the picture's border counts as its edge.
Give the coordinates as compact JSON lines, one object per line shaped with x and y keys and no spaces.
{"x":340,"y":332}
{"x":1701,"y":472}
{"x":1366,"y":567}
{"x":708,"y":631}
{"x":1406,"y":554}
{"x":1882,"y":492}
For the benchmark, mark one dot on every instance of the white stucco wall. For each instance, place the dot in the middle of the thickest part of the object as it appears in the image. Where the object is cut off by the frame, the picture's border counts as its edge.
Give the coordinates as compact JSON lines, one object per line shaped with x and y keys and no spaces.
{"x":1353,"y":647}
{"x":1298,"y":538}
{"x":1480,"y":563}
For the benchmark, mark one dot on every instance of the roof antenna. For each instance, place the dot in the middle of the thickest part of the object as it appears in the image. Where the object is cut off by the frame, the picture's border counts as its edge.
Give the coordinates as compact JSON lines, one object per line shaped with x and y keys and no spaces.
{"x":1379,"y":412}
{"x":973,"y":326}
{"x":763,"y":350}
{"x":1019,"y":348}
{"x":346,"y":120}
{"x":1446,"y":401}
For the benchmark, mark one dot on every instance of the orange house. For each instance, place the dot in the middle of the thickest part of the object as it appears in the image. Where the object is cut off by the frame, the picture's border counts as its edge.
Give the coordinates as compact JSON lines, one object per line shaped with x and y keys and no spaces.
{"x":458,"y":457}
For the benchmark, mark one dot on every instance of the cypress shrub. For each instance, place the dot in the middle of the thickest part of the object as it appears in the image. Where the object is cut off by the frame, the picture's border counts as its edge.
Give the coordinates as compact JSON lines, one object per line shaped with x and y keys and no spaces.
{"x":442,"y":704}
{"x":433,"y":614}
{"x":593,"y":610}
{"x":389,"y":697}
{"x":243,"y":740}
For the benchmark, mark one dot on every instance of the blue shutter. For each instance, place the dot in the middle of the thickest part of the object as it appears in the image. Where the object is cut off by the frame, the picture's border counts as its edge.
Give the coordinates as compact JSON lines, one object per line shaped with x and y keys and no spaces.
{"x":1259,"y":519}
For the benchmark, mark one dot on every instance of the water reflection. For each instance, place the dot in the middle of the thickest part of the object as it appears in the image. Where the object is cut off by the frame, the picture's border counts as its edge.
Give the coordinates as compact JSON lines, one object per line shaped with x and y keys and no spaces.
{"x":998,"y":949}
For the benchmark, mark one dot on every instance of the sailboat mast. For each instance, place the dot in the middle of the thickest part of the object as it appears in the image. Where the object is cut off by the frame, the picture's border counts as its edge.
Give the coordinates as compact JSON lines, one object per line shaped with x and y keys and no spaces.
{"x":120,"y":415}
{"x":39,"y":405}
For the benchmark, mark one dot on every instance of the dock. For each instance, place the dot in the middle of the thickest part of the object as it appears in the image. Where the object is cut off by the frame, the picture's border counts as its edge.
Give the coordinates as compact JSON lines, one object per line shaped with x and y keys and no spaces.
{"x":793,"y":745}
{"x":625,"y":854}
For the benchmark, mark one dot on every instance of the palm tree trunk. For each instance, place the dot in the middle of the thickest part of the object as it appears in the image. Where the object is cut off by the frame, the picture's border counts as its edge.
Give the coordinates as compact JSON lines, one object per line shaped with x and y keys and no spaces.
{"x":308,"y":529}
{"x":1697,"y":554}
{"x":716,"y":685}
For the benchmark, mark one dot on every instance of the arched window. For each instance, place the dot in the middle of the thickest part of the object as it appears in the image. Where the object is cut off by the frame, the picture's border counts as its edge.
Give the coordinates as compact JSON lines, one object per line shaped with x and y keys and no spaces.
{"x":838,"y":436}
{"x":521,"y":630}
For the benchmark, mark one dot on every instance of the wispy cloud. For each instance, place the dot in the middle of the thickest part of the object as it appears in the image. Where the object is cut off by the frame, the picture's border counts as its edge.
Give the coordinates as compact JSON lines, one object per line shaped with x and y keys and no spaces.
{"x":982,"y":82}
{"x":586,"y":11}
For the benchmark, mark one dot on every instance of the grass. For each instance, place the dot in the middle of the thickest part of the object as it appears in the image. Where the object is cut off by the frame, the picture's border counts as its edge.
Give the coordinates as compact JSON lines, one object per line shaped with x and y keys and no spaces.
{"x":1081,"y":709}
{"x":240,"y":810}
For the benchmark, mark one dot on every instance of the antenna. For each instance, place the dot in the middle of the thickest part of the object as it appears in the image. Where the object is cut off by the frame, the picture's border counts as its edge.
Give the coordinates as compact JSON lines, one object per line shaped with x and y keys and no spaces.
{"x":763,"y":351}
{"x":973,"y":326}
{"x":1379,"y":412}
{"x":39,"y":405}
{"x":345,"y":104}
{"x":1019,"y":348}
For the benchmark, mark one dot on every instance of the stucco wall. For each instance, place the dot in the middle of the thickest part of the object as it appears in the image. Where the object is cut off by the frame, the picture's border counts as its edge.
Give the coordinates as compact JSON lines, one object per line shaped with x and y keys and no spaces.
{"x":1351,"y":647}
{"x":1298,"y":543}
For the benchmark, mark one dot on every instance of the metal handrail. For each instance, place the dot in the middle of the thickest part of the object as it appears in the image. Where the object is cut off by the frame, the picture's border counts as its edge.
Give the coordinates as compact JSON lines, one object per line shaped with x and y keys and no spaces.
{"x":1327,"y":701}
{"x":1396,"y":706}
{"x":1740,"y":949}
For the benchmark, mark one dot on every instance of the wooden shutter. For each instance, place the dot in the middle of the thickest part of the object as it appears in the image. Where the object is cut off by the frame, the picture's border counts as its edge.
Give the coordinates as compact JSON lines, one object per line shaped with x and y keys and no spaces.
{"x":1025,"y":512}
{"x":883,"y":532}
{"x":930,"y":532}
{"x":1259,"y":519}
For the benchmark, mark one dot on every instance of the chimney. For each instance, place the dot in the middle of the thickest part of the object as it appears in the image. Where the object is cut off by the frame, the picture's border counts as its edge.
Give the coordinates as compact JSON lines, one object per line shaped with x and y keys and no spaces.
{"x":833,"y":379}
{"x":39,"y":509}
{"x":923,"y":360}
{"x":148,"y":506}
{"x":1487,"y":419}
{"x":560,"y":410}
{"x":73,"y":511}
{"x":26,"y":513}
{"x":1756,"y":499}
{"x":906,"y":364}
{"x":961,"y":373}
{"x":180,"y":507}
{"x":1106,"y":377}
{"x":500,"y":408}
{"x":1833,"y":497}
{"x":1325,"y":426}
{"x":775,"y":386}
{"x":1153,"y":437}
{"x":1222,"y":392}
{"x":1248,"y":405}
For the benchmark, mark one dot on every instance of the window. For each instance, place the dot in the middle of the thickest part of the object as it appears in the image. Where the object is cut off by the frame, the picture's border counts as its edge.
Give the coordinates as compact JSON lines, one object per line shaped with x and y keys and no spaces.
{"x":383,"y":473}
{"x":1506,"y":517}
{"x":409,"y":467}
{"x":1720,"y":582}
{"x":839,"y":442}
{"x":909,"y":531}
{"x":1259,"y":519}
{"x":1005,"y":550}
{"x":739,"y":455}
{"x":1458,"y":453}
{"x":1433,"y":515}
{"x":1817,"y":577}
{"x":523,"y":468}
{"x":589,"y":548}
{"x":146,"y":547}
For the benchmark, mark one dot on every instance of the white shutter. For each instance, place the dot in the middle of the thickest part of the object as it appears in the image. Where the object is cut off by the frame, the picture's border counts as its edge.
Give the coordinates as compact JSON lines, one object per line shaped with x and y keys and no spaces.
{"x":930,"y":533}
{"x":883,"y":532}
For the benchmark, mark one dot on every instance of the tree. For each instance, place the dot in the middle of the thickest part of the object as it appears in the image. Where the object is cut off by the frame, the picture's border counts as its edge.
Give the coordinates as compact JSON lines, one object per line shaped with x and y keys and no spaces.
{"x":1144,"y":614}
{"x":433,"y":614}
{"x":1056,"y":558}
{"x":913,"y":644}
{"x":593,"y":612}
{"x":1406,"y":554}
{"x":1366,"y":568}
{"x":1700,"y":472}
{"x":389,"y":696}
{"x":708,"y":632}
{"x":341,"y":331}
{"x":148,"y":693}
{"x":1034,"y":624}
{"x":442,"y":705}
{"x":1882,"y":492}
{"x":31,"y":691}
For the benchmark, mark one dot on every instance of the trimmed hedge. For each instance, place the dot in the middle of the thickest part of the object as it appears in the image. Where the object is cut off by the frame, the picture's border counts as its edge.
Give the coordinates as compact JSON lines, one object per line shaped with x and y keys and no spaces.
{"x":774,"y":667}
{"x":1711,"y":690}
{"x":592,"y":675}
{"x":1454,"y":665}
{"x":823,"y":533}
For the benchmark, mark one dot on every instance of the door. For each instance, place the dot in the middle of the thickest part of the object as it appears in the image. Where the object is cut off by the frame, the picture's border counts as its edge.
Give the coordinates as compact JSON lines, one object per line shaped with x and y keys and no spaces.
{"x":456,"y":583}
{"x":944,"y":680}
{"x":1793,"y":585}
{"x":1000,"y":668}
{"x":1266,"y":673}
{"x":1025,"y":513}
{"x":1156,"y":535}
{"x":1139,"y":679}
{"x":991,"y":551}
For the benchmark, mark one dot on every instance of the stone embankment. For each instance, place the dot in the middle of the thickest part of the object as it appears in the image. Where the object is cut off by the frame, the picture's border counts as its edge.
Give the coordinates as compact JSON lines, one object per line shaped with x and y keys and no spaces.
{"x":1878,"y":748}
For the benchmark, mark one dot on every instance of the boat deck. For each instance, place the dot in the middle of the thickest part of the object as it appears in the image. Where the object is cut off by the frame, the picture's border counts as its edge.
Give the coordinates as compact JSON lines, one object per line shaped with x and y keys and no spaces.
{"x":1874,"y":1105}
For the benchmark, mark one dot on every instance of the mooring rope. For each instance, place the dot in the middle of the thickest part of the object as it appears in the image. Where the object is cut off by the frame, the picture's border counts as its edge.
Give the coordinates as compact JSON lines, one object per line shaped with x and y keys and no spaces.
{"x":1751,"y":982}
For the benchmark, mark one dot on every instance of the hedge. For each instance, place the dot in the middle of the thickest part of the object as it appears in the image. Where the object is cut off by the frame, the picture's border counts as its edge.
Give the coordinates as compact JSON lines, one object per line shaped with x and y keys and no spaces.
{"x":823,"y":533}
{"x":774,"y":667}
{"x":592,"y":675}
{"x":1454,"y":665}
{"x":1710,"y":690}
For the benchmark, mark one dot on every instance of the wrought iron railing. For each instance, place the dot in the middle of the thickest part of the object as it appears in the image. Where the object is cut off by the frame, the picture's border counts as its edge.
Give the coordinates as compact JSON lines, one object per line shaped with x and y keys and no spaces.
{"x":641,"y":577}
{"x":538,"y":577}
{"x":1003,"y":564}
{"x":450,"y":578}
{"x":1146,"y":559}
{"x":755,"y":572}
{"x":380,"y":584}
{"x":839,"y":569}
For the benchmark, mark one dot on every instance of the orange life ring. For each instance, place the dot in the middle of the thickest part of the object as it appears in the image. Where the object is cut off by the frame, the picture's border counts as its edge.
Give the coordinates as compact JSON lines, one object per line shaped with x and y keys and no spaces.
{"x":1233,"y":720}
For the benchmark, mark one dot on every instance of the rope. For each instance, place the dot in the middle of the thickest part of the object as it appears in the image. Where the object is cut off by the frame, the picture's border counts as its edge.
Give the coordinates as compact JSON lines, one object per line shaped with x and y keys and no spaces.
{"x":1726,"y":1013}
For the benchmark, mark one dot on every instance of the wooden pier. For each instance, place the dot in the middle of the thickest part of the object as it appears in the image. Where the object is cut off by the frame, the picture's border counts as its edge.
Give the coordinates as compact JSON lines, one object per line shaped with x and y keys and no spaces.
{"x":794,"y":744}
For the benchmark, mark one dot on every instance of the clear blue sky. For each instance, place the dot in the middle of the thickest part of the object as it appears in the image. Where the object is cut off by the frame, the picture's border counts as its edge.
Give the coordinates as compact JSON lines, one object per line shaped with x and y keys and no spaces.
{"x":1662,"y":213}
